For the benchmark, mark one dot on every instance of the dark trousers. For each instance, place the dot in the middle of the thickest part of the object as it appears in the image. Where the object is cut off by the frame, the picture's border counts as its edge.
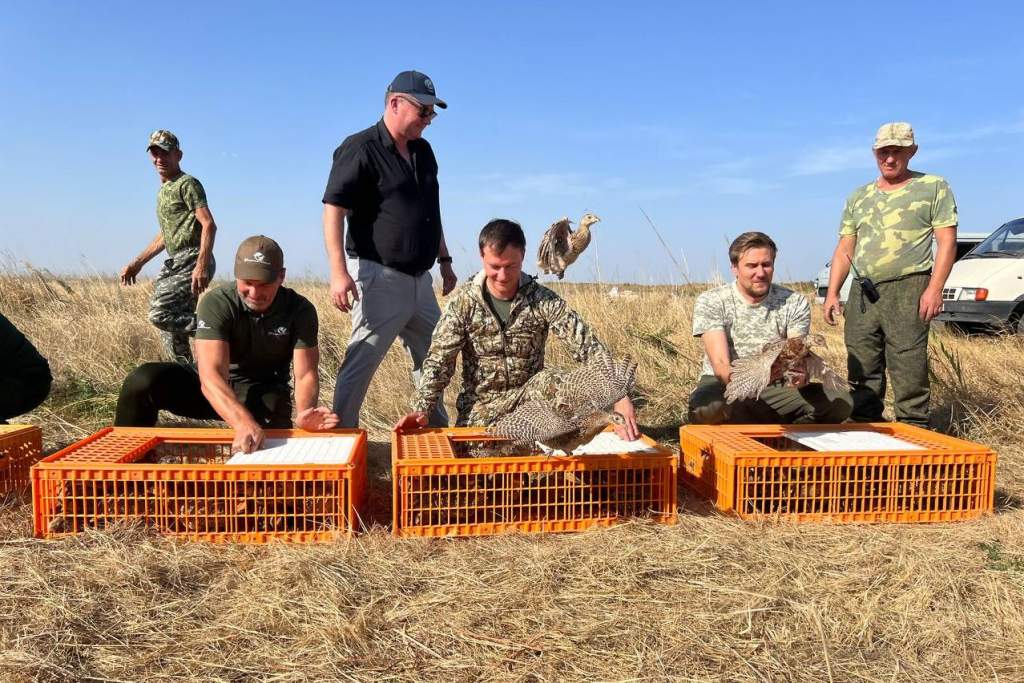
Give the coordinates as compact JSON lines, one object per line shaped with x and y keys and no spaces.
{"x":888,"y":335}
{"x":20,"y":394}
{"x":777,"y":405}
{"x":174,"y":387}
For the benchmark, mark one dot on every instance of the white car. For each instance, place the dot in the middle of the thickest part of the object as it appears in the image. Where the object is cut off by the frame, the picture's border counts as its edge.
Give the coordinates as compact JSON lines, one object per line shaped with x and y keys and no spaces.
{"x":986,"y":288}
{"x":965,"y":242}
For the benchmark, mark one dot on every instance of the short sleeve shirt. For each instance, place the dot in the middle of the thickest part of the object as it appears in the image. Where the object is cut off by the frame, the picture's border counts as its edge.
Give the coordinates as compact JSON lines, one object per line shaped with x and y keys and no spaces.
{"x":748,"y":327}
{"x":394,"y":214}
{"x":176,"y":205}
{"x":894,"y":229}
{"x":260,"y":344}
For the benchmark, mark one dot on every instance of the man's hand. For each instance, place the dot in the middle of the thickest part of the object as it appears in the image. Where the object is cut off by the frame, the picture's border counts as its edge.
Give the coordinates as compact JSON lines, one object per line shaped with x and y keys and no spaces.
{"x":628,"y":431}
{"x":411,"y":421}
{"x":316,"y":419}
{"x":129,"y":272}
{"x":930,"y":305}
{"x":448,"y":279}
{"x":342,"y":286}
{"x":833,"y":309}
{"x":247,"y":438}
{"x":200,"y":278}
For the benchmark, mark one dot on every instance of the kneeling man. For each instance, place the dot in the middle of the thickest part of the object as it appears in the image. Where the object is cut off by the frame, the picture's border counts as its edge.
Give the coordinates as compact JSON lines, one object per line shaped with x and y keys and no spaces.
{"x":735,"y":321}
{"x":247,"y":336}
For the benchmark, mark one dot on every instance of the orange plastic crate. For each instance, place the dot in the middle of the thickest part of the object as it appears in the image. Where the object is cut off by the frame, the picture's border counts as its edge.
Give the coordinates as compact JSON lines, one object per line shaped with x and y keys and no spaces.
{"x":21,"y":446}
{"x":437,"y":493}
{"x":755,"y":470}
{"x":175,"y":480}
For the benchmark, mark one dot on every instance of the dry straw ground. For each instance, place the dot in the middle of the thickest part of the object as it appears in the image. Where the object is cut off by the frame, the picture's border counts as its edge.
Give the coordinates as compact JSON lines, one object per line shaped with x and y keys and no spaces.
{"x":711,"y":598}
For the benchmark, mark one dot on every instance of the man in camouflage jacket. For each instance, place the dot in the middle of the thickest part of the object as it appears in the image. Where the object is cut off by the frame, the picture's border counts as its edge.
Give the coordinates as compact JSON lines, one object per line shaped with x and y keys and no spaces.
{"x":886,"y":233}
{"x":187,"y":233}
{"x":499,"y":322}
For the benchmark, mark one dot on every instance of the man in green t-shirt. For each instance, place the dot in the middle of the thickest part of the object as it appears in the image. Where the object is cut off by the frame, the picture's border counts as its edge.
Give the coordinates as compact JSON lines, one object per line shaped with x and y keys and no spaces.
{"x":886,"y":233}
{"x":248,"y":336}
{"x":187,"y":233}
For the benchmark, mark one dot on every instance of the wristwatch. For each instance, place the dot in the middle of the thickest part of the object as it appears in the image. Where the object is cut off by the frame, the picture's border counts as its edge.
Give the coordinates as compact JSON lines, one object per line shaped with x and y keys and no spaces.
{"x":444,"y":259}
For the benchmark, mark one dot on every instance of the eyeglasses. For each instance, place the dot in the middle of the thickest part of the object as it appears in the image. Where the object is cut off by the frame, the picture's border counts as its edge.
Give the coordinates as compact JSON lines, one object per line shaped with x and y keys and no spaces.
{"x":426,"y":111}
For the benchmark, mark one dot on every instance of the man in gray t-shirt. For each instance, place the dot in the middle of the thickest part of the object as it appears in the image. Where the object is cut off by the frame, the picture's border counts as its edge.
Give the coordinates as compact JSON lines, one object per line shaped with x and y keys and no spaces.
{"x":735,"y":321}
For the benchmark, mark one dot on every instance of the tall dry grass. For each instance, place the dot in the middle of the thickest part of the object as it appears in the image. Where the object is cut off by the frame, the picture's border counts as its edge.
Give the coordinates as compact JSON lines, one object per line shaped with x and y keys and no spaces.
{"x":708,"y":599}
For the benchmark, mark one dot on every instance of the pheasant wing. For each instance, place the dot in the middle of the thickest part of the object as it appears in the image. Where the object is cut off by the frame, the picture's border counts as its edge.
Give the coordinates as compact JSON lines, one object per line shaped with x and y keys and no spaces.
{"x":817,"y":367}
{"x":599,"y":384}
{"x":751,"y":374}
{"x":553,"y":246}
{"x":531,"y":422}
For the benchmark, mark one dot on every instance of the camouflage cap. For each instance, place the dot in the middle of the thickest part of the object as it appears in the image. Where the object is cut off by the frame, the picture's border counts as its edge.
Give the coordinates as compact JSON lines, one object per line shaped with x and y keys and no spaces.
{"x":258,"y":258}
{"x":896,"y":134}
{"x":164,"y":139}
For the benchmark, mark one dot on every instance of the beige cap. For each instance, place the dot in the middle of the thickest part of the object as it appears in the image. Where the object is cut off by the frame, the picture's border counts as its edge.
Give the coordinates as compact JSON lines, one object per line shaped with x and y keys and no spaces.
{"x":258,"y":258}
{"x":896,"y":134}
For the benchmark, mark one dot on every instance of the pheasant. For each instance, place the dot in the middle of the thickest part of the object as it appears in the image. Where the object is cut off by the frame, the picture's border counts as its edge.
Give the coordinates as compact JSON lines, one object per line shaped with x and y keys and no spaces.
{"x":777,"y":360}
{"x":579,"y":408}
{"x":561,"y":246}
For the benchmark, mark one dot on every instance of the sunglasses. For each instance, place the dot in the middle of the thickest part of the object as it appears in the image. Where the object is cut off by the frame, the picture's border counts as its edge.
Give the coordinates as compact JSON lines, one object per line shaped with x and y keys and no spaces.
{"x":426,"y":111}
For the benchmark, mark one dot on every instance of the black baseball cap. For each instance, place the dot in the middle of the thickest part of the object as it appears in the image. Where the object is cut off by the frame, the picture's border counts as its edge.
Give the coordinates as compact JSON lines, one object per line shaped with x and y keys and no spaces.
{"x":419,"y":86}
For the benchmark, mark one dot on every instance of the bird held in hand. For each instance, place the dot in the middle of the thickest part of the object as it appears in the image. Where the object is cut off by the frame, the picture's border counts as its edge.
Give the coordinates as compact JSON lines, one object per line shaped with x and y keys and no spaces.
{"x":780,"y":359}
{"x":579,"y":407}
{"x":561,"y":245}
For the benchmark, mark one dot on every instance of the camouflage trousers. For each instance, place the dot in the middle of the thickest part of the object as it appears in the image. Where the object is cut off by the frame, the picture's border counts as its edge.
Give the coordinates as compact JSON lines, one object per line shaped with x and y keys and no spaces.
{"x":888,"y":335}
{"x":172,"y":309}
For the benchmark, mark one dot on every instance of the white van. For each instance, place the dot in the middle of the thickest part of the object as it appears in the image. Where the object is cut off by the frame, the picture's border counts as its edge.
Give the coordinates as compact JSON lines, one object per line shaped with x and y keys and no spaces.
{"x":965,"y":241}
{"x":986,"y":288}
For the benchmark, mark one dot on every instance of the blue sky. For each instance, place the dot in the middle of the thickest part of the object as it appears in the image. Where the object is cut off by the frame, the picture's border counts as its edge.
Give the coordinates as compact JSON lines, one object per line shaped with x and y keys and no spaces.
{"x":715,"y":119}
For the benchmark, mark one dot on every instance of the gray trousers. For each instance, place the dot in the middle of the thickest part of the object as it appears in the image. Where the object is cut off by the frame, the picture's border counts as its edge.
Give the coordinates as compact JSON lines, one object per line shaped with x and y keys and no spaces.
{"x":777,"y":405}
{"x":391,"y":304}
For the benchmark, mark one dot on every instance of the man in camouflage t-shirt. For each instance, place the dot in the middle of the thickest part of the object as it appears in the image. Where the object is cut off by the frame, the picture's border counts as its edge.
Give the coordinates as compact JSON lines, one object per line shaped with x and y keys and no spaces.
{"x":886,"y":232}
{"x":187,"y":233}
{"x":735,"y":321}
{"x":499,"y":323}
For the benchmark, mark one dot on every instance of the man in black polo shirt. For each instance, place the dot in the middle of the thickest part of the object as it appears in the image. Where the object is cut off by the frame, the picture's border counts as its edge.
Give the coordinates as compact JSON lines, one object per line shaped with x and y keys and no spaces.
{"x":247,"y":336}
{"x":384,"y":180}
{"x":24,"y":374}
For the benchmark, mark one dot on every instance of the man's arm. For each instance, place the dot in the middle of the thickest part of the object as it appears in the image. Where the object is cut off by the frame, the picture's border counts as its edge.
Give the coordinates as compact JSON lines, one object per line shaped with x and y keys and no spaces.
{"x":129,"y":272}
{"x":448,"y":278}
{"x":214,"y":358}
{"x":201,"y":273}
{"x":342,"y":284}
{"x":945,"y":252}
{"x":308,"y":414}
{"x":716,"y":346}
{"x":572,"y":330}
{"x":838,"y":271}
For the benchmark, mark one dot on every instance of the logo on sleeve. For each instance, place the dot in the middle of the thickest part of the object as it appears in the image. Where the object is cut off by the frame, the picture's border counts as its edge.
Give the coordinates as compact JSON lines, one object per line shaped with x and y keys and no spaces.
{"x":201,"y":325}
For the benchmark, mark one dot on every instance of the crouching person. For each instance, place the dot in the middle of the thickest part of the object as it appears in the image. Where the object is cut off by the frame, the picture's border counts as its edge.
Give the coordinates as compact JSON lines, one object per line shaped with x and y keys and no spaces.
{"x":25,"y":377}
{"x":248,"y":335}
{"x":735,"y":321}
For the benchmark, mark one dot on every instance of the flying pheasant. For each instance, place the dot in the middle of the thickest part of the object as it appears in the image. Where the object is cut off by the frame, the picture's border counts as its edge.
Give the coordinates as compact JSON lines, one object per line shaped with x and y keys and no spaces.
{"x":579,"y":407}
{"x":778,"y":360}
{"x":561,"y":246}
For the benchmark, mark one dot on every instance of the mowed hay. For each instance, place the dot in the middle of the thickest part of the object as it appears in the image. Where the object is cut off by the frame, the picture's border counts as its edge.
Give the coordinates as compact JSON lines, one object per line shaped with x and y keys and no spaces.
{"x":710,"y":598}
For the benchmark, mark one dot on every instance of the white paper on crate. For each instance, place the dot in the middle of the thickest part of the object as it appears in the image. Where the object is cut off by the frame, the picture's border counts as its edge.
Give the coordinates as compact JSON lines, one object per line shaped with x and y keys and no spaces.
{"x":326,"y":450}
{"x":607,"y":443}
{"x":852,"y":441}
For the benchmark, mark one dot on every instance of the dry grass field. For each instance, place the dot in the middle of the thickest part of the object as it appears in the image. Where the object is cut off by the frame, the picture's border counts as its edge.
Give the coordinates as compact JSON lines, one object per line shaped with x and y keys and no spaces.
{"x":711,"y":598}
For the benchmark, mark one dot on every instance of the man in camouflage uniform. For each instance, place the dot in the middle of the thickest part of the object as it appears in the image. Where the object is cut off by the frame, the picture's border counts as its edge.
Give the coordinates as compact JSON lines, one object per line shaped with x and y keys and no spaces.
{"x":735,"y":321}
{"x":886,"y":233}
{"x":187,"y":232}
{"x":499,"y":322}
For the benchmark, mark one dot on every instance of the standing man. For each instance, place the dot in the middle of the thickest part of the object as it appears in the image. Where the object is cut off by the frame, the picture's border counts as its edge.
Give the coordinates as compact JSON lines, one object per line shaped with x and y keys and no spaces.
{"x":886,"y":233}
{"x":384,"y":180}
{"x":735,"y":321}
{"x":187,"y":232}
{"x":250,"y":335}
